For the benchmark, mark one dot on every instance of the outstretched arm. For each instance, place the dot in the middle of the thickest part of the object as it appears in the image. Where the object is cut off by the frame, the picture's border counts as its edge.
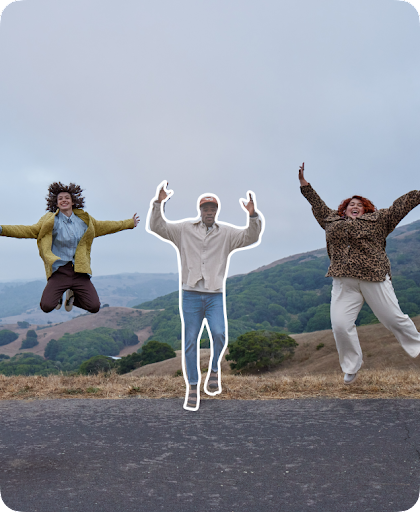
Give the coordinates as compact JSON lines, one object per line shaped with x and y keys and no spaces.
{"x":19,"y":231}
{"x":106,"y":227}
{"x":319,"y":208}
{"x":158,"y":224}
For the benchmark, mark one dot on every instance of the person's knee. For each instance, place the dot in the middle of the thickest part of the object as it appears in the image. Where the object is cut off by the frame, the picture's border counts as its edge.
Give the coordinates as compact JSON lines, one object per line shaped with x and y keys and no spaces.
{"x":342,"y":327}
{"x":94,"y":308}
{"x":46,"y":307}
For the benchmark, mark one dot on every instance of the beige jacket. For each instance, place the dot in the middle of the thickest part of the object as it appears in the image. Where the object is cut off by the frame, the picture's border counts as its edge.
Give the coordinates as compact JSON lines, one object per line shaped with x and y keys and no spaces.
{"x":204,"y":255}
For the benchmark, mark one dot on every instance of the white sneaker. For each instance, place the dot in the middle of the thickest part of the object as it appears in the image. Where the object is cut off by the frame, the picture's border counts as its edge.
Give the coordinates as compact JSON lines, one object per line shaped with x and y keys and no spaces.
{"x":349,"y":378}
{"x":60,"y":303}
{"x":69,"y":300}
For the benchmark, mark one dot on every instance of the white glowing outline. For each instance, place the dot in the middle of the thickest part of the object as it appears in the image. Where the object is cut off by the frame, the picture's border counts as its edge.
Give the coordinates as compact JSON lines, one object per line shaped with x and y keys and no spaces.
{"x":3,"y":5}
{"x":170,"y":193}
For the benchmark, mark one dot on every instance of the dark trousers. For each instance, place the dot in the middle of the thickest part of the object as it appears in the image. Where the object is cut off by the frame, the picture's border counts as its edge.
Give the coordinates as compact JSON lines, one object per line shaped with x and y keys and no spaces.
{"x":65,"y":278}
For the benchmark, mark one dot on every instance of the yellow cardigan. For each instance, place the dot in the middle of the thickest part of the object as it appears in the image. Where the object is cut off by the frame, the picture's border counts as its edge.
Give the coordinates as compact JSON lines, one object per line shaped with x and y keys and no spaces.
{"x":43,"y":229}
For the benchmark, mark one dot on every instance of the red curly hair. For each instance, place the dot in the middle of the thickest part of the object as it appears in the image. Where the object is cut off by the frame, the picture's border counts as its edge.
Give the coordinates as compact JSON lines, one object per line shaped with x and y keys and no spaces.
{"x":368,"y":206}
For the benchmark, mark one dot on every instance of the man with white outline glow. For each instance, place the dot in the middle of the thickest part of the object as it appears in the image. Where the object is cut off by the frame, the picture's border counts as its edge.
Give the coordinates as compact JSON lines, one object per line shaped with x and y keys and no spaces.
{"x":204,"y":246}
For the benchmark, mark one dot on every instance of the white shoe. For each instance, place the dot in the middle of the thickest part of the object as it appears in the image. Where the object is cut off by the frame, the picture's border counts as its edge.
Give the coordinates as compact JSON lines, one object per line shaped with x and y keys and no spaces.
{"x":60,"y":303}
{"x":349,"y":378}
{"x":69,"y":300}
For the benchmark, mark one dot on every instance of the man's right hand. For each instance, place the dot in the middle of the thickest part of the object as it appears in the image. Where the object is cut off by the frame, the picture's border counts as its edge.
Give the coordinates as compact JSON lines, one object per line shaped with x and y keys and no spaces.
{"x":162,"y":195}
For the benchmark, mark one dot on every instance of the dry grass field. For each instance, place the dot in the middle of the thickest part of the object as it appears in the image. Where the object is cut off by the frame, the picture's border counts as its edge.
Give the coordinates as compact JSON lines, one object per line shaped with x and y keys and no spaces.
{"x":389,"y":383}
{"x":313,"y":372}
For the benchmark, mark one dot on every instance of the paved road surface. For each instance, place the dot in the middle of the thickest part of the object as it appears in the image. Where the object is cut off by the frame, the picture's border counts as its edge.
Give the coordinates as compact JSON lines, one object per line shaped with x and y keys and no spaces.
{"x":234,"y":456}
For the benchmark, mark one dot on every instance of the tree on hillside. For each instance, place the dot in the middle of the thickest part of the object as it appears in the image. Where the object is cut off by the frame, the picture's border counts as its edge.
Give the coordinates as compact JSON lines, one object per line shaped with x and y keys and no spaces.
{"x":96,"y":364}
{"x":128,"y":363}
{"x":7,"y":336}
{"x":154,"y":351}
{"x":28,"y":364}
{"x":23,"y":325}
{"x":260,"y":350}
{"x":31,"y":339}
{"x":125,"y":336}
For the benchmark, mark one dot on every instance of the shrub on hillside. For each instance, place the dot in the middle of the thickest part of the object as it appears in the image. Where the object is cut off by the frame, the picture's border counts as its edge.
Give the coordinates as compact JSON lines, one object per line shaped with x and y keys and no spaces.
{"x":96,"y":364}
{"x":154,"y":351}
{"x":23,"y":325}
{"x":31,"y":339}
{"x":7,"y":336}
{"x":128,"y":363}
{"x":260,"y":350}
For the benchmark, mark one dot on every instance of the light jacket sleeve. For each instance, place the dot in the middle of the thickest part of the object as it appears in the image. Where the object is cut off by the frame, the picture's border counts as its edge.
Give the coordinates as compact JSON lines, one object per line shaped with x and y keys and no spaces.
{"x":400,"y":208}
{"x":19,"y":231}
{"x":319,"y":208}
{"x":247,"y":236}
{"x":167,"y":230}
{"x":106,"y":227}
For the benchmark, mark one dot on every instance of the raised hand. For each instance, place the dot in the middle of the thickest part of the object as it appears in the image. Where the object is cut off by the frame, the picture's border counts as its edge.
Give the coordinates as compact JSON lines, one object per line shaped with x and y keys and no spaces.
{"x":302,"y":180}
{"x":250,"y":206}
{"x":164,"y":194}
{"x":136,"y":219}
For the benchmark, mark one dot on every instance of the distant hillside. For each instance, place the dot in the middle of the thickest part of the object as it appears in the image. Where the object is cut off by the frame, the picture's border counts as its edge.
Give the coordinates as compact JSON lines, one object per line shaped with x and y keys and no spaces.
{"x":20,"y":301}
{"x":380,"y":351}
{"x":292,"y":294}
{"x":115,"y":318}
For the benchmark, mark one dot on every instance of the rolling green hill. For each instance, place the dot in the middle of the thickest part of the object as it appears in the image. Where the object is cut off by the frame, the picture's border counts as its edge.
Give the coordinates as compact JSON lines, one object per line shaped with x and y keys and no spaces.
{"x":294,"y":296}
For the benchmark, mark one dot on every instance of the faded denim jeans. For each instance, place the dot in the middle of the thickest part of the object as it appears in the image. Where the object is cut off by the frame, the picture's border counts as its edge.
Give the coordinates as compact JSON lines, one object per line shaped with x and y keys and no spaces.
{"x":195,"y":307}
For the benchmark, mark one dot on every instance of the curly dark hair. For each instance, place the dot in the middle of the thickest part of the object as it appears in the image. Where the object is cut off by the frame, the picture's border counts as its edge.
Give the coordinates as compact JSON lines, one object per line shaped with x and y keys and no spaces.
{"x":74,"y":190}
{"x":368,"y":206}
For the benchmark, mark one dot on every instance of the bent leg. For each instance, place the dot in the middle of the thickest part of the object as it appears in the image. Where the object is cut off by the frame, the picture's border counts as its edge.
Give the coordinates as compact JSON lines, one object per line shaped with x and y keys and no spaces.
{"x":384,"y":303}
{"x":214,"y":313}
{"x":193,"y":314}
{"x":346,"y":302}
{"x":57,"y":284}
{"x":85,"y":294}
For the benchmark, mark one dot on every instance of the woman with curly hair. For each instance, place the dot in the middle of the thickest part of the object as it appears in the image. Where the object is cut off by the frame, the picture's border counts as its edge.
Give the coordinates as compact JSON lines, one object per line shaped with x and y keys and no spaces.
{"x":64,"y":236}
{"x":356,"y":238}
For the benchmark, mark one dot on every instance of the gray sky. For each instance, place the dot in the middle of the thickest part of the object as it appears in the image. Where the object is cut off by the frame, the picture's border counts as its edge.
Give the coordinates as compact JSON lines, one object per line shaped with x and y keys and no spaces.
{"x":215,"y":96}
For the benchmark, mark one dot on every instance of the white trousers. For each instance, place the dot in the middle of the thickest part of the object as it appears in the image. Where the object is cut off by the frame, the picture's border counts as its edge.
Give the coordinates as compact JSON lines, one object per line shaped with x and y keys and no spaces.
{"x":347,"y":298}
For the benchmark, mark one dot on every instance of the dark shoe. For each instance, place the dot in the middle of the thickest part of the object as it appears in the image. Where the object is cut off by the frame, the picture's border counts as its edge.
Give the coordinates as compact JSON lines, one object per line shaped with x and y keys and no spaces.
{"x":213,"y":383}
{"x":192,"y":398}
{"x":69,"y":300}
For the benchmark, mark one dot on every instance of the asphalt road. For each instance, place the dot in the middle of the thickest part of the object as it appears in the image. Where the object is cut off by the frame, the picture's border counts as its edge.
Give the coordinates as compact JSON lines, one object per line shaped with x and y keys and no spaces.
{"x":151,"y":455}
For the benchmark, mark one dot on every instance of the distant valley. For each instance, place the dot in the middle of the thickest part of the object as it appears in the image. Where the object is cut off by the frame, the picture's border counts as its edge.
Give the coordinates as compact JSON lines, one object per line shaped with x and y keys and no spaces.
{"x":20,"y":301}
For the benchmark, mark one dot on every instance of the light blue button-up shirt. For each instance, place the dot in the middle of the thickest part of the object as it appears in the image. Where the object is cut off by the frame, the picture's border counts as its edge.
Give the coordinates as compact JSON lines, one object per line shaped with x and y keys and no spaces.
{"x":66,"y":235}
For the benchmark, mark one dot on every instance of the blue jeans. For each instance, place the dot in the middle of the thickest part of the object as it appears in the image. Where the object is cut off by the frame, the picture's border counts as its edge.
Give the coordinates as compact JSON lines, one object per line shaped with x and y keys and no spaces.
{"x":197,"y":306}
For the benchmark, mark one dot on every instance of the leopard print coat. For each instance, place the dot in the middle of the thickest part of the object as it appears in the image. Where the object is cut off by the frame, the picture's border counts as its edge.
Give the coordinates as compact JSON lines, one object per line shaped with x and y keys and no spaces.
{"x":356,"y":247}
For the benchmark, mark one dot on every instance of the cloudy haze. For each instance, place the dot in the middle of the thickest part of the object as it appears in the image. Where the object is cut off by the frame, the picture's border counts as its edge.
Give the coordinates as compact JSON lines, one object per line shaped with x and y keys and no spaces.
{"x":215,"y":96}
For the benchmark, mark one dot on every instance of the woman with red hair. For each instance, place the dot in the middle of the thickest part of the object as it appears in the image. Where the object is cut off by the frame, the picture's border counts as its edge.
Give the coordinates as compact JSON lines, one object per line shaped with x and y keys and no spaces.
{"x":356,"y":238}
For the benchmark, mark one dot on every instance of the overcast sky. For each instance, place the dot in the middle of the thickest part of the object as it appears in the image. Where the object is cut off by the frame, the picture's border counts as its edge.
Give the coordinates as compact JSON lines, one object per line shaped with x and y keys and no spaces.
{"x":215,"y":96}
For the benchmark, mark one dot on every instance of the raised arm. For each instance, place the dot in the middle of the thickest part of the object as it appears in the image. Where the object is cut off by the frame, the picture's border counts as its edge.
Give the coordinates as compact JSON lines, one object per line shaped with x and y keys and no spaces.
{"x":251,"y":234}
{"x":19,"y":231}
{"x":158,"y":224}
{"x":400,"y":208}
{"x":319,"y":208}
